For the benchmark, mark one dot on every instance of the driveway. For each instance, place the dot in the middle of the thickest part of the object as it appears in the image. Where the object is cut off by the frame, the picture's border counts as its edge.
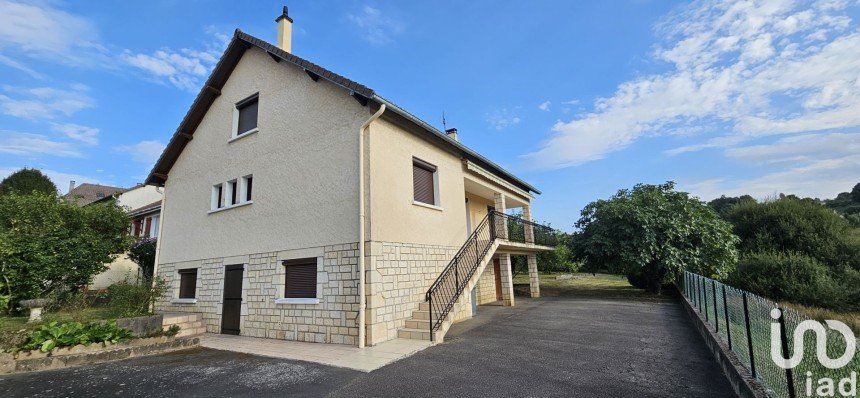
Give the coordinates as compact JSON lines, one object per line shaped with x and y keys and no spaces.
{"x":554,"y":346}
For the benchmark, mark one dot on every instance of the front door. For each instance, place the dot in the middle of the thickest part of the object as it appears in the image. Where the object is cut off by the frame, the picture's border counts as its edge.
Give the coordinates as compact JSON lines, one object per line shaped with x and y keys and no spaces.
{"x":497,"y":271}
{"x":232,"y":310}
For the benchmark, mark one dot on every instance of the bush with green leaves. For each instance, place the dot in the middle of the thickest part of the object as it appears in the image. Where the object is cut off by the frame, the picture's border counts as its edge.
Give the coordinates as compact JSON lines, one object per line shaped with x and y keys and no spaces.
{"x":130,"y":299}
{"x":54,"y":334}
{"x":48,"y":244}
{"x":655,"y":233}
{"x":142,"y":252}
{"x":25,"y":182}
{"x":792,"y":277}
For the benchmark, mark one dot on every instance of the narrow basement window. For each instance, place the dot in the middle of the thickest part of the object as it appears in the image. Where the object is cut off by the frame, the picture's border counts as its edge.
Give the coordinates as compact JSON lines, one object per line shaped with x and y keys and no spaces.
{"x":188,"y":283}
{"x":233,"y":192}
{"x":217,"y":196}
{"x":247,"y":187}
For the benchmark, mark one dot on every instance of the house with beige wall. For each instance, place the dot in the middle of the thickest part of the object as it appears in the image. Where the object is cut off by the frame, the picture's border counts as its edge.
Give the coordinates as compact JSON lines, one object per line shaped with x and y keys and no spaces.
{"x":301,"y":205}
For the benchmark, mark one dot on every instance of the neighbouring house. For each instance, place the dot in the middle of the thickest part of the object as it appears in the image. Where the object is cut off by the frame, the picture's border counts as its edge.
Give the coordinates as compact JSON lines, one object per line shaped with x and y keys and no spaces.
{"x":86,"y":193}
{"x":143,"y":204}
{"x":301,"y":205}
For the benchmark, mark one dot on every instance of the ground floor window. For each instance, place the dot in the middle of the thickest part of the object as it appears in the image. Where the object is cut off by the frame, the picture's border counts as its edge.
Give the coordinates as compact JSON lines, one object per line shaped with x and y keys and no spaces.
{"x":301,"y":278}
{"x":188,"y":283}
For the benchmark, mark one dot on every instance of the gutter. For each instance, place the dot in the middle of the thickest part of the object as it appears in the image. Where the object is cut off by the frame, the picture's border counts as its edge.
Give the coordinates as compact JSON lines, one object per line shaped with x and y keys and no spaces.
{"x":362,"y":300}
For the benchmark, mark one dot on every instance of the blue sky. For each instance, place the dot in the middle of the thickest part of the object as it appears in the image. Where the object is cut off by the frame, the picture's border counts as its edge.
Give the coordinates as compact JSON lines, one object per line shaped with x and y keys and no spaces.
{"x":578,"y":98}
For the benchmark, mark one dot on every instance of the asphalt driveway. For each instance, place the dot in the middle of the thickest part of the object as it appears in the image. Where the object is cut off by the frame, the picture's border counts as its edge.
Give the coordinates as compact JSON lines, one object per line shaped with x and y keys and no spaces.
{"x":554,"y":346}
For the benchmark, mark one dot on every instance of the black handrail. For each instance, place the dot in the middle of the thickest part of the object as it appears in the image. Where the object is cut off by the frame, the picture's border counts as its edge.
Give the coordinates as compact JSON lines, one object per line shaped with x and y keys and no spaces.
{"x":447,"y":288}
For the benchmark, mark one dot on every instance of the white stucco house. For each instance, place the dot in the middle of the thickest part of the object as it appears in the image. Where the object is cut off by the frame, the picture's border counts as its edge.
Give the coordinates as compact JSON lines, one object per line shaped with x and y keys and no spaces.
{"x":301,"y":205}
{"x":143,"y":205}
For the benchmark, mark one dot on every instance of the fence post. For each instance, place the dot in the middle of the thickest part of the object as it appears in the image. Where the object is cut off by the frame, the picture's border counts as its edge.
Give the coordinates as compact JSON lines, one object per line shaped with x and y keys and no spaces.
{"x":699,"y":292}
{"x":705,"y":301}
{"x":749,"y":334}
{"x":716,"y":316}
{"x":728,"y":322}
{"x":789,"y":375}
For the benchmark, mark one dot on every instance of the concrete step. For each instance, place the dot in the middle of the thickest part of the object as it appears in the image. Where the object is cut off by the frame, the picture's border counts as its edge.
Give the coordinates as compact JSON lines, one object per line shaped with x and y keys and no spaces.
{"x":425,"y":306}
{"x":421,"y":324}
{"x":415,"y":334}
{"x":191,"y":331}
{"x":420,"y":315}
{"x":172,"y":318}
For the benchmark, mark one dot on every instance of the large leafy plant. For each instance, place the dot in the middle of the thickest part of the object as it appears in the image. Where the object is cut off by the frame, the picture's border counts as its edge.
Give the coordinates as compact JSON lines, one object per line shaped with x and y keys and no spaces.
{"x":54,"y":334}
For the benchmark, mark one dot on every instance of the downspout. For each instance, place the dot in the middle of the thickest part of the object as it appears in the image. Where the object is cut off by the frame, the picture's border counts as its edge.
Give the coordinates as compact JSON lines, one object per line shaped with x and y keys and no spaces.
{"x":362,"y":301}
{"x":158,"y":240}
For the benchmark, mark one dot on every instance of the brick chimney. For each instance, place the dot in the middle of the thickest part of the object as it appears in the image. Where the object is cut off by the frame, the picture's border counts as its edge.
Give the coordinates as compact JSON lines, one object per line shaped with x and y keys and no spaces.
{"x":285,"y":31}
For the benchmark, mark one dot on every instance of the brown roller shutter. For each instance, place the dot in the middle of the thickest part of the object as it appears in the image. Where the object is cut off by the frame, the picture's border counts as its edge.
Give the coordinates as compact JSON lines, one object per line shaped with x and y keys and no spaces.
{"x":301,"y":280}
{"x":247,"y":114}
{"x":422,"y":183}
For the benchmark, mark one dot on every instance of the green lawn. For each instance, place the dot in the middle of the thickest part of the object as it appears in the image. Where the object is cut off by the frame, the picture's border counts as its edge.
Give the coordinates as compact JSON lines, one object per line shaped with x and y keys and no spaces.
{"x":590,"y":285}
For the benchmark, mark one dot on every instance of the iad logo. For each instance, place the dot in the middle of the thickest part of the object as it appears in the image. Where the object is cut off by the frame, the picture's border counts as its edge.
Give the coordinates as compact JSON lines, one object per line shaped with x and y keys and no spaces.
{"x":820,"y":343}
{"x":827,"y":386}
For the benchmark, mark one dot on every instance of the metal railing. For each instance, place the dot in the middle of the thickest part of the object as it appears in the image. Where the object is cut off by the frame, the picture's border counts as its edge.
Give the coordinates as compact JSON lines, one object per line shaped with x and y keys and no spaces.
{"x":743,"y":320}
{"x":448,"y":287}
{"x":525,"y":231}
{"x":445,"y":291}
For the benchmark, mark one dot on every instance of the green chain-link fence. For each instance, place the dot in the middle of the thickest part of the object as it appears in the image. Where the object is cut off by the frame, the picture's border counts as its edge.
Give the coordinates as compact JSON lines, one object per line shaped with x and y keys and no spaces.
{"x":743,"y":321}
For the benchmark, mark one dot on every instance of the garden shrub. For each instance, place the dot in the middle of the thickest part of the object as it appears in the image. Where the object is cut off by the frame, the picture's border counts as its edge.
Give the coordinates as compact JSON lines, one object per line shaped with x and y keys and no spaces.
{"x":791,"y":277}
{"x":49,"y":336}
{"x":129,"y":299}
{"x":142,"y":252}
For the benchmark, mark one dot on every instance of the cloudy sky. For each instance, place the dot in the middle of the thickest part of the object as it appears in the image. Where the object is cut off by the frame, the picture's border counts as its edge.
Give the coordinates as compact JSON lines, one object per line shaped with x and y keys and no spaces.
{"x":579,"y":98}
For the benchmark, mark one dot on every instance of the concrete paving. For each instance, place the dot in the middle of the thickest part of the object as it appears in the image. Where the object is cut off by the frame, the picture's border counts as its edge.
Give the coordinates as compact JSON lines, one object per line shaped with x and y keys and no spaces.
{"x":364,"y":359}
{"x":553,"y":346}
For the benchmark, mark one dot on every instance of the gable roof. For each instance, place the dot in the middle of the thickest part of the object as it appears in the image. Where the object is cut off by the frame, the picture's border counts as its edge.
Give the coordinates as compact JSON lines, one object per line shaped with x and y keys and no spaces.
{"x":242,"y":41}
{"x":85,"y":193}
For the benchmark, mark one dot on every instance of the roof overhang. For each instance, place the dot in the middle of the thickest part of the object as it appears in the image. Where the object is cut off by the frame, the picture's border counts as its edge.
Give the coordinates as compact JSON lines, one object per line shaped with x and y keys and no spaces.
{"x":242,"y":41}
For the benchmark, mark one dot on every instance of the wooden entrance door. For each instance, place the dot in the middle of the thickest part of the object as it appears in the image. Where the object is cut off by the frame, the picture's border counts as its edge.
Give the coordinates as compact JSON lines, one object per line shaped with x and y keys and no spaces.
{"x":232,"y":309}
{"x":497,"y":271}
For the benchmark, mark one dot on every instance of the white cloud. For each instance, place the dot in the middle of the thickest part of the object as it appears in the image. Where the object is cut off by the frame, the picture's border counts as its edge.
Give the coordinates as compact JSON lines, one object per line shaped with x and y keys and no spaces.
{"x":740,"y":70}
{"x":59,"y":178}
{"x":184,"y":68}
{"x":31,"y":30}
{"x":502,"y":118}
{"x":44,"y":102}
{"x":27,"y":144}
{"x":377,"y":28}
{"x":146,"y":152}
{"x":84,"y":134}
{"x":544,"y":106}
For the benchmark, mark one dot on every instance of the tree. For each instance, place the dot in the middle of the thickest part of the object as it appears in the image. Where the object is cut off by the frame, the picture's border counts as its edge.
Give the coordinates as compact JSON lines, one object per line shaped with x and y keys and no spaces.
{"x":27,"y":181}
{"x":723,"y":204}
{"x":797,"y":226}
{"x":855,"y":193}
{"x":48,"y":245}
{"x":142,"y":253}
{"x":653,"y":233}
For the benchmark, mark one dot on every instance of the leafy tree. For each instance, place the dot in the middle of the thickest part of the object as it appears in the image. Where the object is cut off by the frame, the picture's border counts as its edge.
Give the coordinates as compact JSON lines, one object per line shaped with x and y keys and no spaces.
{"x":49,"y":245}
{"x":653,"y":232}
{"x":723,"y":204}
{"x":142,"y":253}
{"x":855,"y":193}
{"x":796,"y":226}
{"x":27,"y":181}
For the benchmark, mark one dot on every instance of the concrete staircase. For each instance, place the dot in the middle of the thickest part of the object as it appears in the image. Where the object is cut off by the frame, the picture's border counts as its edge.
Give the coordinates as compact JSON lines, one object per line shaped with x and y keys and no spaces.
{"x":418,"y":327}
{"x":190,"y":324}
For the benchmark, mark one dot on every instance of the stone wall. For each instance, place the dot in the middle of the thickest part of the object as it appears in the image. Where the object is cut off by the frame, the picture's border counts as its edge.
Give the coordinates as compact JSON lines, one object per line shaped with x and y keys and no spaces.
{"x":331,"y":320}
{"x":487,"y":285}
{"x":398,"y":276}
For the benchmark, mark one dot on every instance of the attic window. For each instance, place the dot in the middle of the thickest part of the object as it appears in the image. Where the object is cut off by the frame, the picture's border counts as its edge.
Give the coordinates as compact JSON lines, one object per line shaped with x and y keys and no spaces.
{"x":245,"y":116}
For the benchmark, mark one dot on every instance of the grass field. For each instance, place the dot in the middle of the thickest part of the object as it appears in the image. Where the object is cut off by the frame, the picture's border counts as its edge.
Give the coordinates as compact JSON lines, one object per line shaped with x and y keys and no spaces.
{"x":590,"y":285}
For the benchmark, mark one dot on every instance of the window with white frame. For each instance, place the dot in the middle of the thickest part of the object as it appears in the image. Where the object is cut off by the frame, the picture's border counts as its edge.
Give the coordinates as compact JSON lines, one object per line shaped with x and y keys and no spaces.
{"x":153,"y":227}
{"x":233,"y":193}
{"x":425,"y":183}
{"x":245,"y":116}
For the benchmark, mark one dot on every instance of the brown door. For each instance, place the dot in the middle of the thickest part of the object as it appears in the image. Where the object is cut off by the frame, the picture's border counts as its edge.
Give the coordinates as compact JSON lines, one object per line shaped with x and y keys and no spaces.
{"x":497,"y":271}
{"x":232,"y":309}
